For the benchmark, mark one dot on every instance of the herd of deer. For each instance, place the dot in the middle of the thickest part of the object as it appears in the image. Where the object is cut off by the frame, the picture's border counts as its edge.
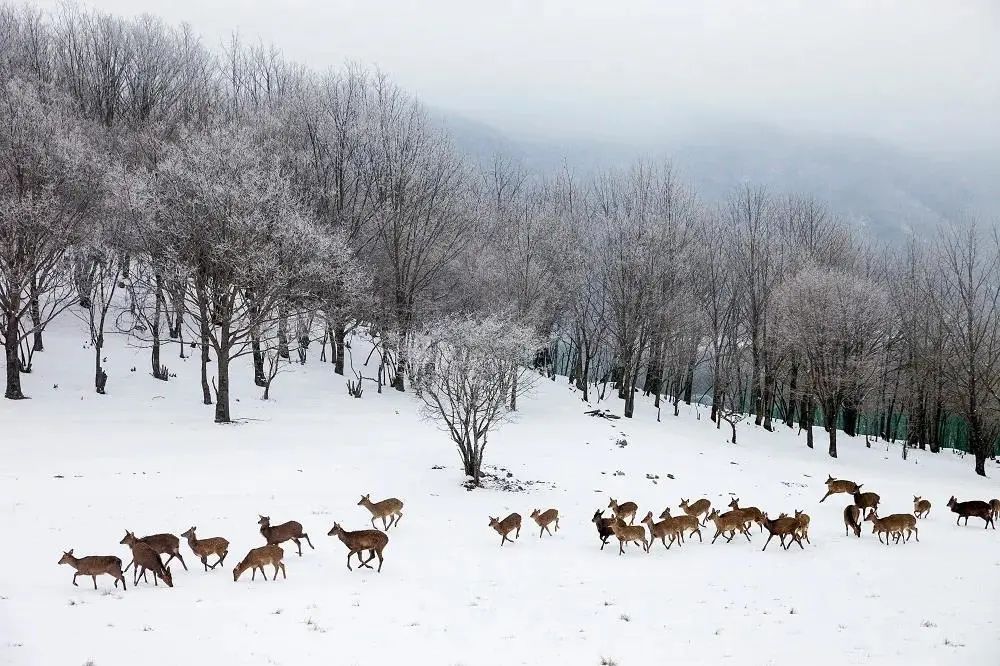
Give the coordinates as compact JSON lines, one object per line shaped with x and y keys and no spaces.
{"x":146,"y":551}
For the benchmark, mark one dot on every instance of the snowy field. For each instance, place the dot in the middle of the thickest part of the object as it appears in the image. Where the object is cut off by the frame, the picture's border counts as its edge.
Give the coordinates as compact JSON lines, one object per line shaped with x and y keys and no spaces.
{"x":79,"y":469}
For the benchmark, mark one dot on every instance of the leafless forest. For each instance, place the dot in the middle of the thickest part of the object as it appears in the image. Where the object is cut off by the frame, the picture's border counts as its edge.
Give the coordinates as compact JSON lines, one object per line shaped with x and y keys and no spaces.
{"x":224,"y":203}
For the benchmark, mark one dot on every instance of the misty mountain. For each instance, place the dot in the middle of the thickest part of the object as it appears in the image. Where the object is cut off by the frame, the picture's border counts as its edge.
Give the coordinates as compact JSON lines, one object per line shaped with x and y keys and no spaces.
{"x":872,"y":185}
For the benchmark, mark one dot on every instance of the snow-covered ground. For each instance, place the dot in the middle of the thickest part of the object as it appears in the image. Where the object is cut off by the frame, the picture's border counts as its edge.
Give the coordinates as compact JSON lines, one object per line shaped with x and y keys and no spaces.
{"x":78,"y":469}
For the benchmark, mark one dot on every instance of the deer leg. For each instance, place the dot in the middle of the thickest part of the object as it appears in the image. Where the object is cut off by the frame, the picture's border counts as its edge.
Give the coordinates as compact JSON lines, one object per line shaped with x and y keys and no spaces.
{"x":298,"y":544}
{"x":181,"y":558}
{"x":74,"y":578}
{"x":828,"y":493}
{"x":156,"y":579}
{"x":374,"y":527}
{"x":222,"y":558}
{"x":283,"y":574}
{"x":262,"y":572}
{"x":204,"y":562}
{"x":379,"y":553}
{"x":746,"y":534}
{"x":349,"y":553}
{"x":133,"y":562}
{"x":717,"y":533}
{"x":767,"y":542}
{"x":799,"y":541}
{"x":275,"y":575}
{"x":95,"y":580}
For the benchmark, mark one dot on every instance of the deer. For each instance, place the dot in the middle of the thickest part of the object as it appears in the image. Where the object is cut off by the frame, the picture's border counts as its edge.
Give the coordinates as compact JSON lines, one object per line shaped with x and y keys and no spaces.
{"x":921,"y":507}
{"x":604,"y":530}
{"x":390,"y":508}
{"x":893,"y":525}
{"x":279,"y":534}
{"x":803,"y":529}
{"x":731,"y":522}
{"x":834,"y":486}
{"x":623,"y":511}
{"x":544,"y":519}
{"x":661,"y":530}
{"x":852,"y":520}
{"x":163,"y":544}
{"x":146,"y":559}
{"x":204,"y":547}
{"x":702,"y":506}
{"x":374,"y":541}
{"x":973,"y":508}
{"x":995,"y":508}
{"x":751,"y":513}
{"x":511,"y":523}
{"x":782,"y":527}
{"x":256,"y":559}
{"x":687,"y":522}
{"x":94,"y":566}
{"x":629,"y":534}
{"x":866,"y":500}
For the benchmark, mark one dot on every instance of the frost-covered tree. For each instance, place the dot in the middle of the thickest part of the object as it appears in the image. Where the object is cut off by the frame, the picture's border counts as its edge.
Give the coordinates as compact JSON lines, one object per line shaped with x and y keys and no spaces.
{"x":838,"y":323}
{"x":49,"y":185}
{"x":463,"y":371}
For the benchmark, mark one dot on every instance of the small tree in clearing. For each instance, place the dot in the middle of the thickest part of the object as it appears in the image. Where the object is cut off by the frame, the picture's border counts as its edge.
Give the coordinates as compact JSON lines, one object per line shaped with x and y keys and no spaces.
{"x":464,"y":371}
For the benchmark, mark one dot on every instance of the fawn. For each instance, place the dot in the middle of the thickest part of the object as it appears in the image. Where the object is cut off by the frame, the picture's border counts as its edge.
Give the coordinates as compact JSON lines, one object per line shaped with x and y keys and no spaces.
{"x":730,"y":522}
{"x":146,"y":559}
{"x":163,"y":544}
{"x":257,"y":558}
{"x":893,"y":525}
{"x":604,"y":530}
{"x":629,"y":533}
{"x":374,"y":541}
{"x":390,"y":508}
{"x":834,"y":486}
{"x":750,"y":513}
{"x":283,"y":532}
{"x":506,"y":526}
{"x":803,"y":529}
{"x":852,"y":520}
{"x":661,"y":530}
{"x":544,"y":519}
{"x":623,"y":511}
{"x":204,"y":547}
{"x":94,"y":566}
{"x":687,"y":522}
{"x":995,"y":508}
{"x":702,"y":506}
{"x":783,"y":527}
{"x":972,"y":508}
{"x":921,"y":507}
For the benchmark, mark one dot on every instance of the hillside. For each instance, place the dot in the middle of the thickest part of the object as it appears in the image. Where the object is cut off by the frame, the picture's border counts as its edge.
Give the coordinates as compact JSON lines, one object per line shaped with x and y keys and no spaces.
{"x":79,"y":469}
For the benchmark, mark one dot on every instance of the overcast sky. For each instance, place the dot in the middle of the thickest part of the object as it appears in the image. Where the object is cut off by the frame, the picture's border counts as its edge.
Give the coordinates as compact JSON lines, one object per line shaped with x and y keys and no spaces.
{"x":913,"y":72}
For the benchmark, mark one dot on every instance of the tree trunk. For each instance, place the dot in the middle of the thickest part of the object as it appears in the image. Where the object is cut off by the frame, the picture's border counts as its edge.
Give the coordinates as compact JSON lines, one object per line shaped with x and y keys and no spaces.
{"x":222,"y":376}
{"x":793,"y":377}
{"x":206,"y":390}
{"x":398,"y":382}
{"x":36,"y":319}
{"x":11,"y":333}
{"x":100,"y":377}
{"x":653,"y":369}
{"x":851,"y":420}
{"x":767,"y":403}
{"x":283,"y":332}
{"x":689,"y":383}
{"x":513,"y":392}
{"x":831,"y":427}
{"x":339,"y":333}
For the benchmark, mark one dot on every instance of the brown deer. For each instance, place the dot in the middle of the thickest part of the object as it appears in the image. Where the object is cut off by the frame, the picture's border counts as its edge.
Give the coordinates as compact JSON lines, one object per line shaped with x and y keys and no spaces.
{"x":94,"y":566}
{"x":782,"y":527}
{"x":146,"y":559}
{"x":867,"y":501}
{"x":661,"y":530}
{"x":629,"y":534}
{"x":973,"y":508}
{"x":163,"y":544}
{"x":374,"y":541}
{"x":728,"y":524}
{"x":702,"y":506}
{"x":686,"y":522}
{"x":544,"y":519}
{"x":204,"y":547}
{"x":852,"y":520}
{"x":995,"y":508}
{"x":834,"y":486}
{"x":623,"y":511}
{"x":803,"y":529}
{"x":283,"y":532}
{"x":256,"y":559}
{"x":921,"y":507}
{"x":390,"y":508}
{"x":750,"y":513}
{"x":893,"y":525}
{"x":511,"y":523}
{"x":604,"y":530}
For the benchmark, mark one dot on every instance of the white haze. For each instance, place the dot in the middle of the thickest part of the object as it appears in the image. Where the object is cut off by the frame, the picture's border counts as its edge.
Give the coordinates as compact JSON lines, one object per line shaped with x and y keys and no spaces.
{"x":924,"y":75}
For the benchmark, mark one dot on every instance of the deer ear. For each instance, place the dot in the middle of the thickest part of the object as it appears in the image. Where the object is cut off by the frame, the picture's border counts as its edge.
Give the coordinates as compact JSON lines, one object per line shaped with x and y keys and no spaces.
{"x":69,"y":552}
